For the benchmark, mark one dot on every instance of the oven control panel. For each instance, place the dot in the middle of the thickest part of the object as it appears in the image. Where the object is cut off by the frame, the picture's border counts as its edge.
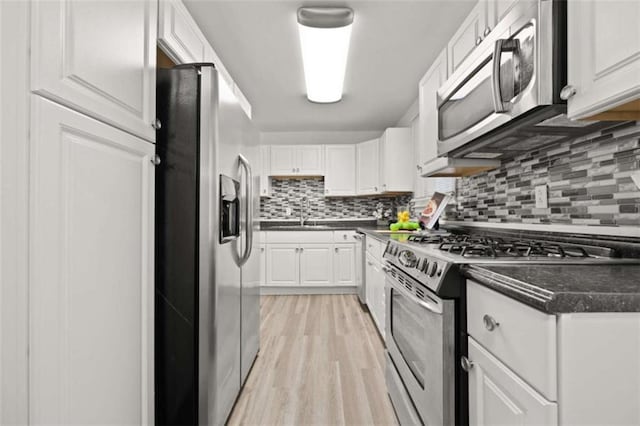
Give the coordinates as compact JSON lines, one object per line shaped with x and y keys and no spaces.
{"x":427,"y":270}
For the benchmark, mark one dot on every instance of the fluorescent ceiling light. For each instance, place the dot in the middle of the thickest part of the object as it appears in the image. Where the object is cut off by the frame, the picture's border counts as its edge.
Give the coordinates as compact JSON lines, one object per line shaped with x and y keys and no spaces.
{"x":324,"y":38}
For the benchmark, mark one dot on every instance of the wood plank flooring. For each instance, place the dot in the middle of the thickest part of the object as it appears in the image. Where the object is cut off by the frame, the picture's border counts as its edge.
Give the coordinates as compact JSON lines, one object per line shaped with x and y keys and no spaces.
{"x":321,"y":362}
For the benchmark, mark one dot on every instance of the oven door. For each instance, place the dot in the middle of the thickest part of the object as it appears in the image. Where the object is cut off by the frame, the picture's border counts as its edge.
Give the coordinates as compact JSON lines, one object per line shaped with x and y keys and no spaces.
{"x":504,"y":78}
{"x":421,"y":343}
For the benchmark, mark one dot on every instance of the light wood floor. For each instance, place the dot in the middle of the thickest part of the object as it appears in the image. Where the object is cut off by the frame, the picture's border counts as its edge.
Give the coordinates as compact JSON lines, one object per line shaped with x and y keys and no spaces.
{"x":321,"y":362}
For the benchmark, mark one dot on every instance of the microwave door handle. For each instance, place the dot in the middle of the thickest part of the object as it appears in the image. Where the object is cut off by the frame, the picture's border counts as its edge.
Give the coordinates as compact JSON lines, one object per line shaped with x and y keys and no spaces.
{"x":501,"y":45}
{"x":248,"y":209}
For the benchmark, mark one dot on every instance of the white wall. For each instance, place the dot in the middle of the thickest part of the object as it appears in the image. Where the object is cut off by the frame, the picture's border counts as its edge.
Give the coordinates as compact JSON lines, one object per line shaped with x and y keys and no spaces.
{"x":317,"y":137}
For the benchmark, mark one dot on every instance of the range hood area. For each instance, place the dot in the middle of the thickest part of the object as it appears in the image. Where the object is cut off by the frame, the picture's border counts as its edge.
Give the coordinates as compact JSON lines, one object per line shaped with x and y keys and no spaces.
{"x":457,"y":167}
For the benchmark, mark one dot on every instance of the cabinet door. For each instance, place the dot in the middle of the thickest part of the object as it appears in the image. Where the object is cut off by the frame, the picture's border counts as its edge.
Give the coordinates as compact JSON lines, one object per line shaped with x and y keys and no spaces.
{"x":282,"y":265}
{"x":178,"y":33}
{"x":468,"y":36}
{"x":91,"y":274}
{"x":265,"y":171}
{"x":310,"y":160}
{"x":369,"y":275}
{"x":380,"y":298}
{"x":283,"y":159}
{"x":603,"y":61}
{"x":497,"y":396}
{"x":368,"y":167}
{"x":394,"y":146}
{"x":427,"y":101}
{"x":340,"y":170}
{"x":344,"y":262}
{"x":316,"y":265}
{"x":496,"y":10}
{"x":98,"y":58}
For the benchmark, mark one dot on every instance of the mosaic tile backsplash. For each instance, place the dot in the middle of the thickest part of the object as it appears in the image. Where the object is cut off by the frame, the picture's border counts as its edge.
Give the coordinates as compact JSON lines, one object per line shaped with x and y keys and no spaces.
{"x":288,"y":193}
{"x":589,"y":183}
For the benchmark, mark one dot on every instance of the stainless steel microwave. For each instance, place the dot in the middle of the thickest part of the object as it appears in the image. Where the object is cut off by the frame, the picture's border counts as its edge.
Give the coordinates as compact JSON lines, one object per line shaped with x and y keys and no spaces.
{"x":508,"y":86}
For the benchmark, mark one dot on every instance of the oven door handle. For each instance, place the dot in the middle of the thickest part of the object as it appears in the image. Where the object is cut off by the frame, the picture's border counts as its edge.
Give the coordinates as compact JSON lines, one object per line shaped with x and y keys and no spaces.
{"x":431,"y":307}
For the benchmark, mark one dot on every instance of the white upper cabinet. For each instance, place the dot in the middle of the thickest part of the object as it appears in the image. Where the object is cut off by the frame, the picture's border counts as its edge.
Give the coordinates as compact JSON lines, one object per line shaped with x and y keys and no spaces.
{"x":265,"y":163}
{"x":368,"y":167}
{"x":310,"y":160}
{"x":291,"y":160}
{"x":98,"y":58}
{"x":91,"y":269}
{"x":496,"y":10}
{"x":178,"y":34}
{"x":428,"y":104}
{"x":468,"y":36}
{"x":603,"y":49}
{"x":395,"y":145}
{"x":340,"y":170}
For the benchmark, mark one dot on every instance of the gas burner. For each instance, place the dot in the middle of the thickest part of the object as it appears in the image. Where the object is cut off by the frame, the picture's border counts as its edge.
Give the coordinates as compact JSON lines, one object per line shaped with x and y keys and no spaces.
{"x":479,"y":246}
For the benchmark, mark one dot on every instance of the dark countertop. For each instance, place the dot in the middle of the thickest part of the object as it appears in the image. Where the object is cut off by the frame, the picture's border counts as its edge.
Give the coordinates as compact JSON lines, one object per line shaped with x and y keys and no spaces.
{"x":316,"y":224}
{"x":557,"y":289}
{"x":386,"y":235}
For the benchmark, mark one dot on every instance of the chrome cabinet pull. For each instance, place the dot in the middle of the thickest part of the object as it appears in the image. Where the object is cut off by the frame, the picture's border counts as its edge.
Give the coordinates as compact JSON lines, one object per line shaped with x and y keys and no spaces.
{"x":155,"y":159}
{"x":466,"y":364}
{"x":478,"y":41}
{"x":567,"y":92}
{"x":490,"y":323}
{"x":487,"y":31}
{"x":156,"y":124}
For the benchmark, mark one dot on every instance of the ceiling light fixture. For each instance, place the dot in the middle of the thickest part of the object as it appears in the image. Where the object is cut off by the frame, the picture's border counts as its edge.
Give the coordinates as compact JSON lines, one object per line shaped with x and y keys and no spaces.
{"x":324,"y":38}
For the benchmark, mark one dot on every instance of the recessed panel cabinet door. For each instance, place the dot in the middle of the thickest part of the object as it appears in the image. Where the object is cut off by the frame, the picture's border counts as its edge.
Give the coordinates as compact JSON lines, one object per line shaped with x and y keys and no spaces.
{"x":98,"y":57}
{"x":282,"y":265}
{"x":316,"y":265}
{"x":91,"y":275}
{"x":344,"y":262}
{"x":340,"y":166}
{"x":368,"y":167}
{"x":310,"y":160}
{"x":283,"y":160}
{"x":603,"y":55}
{"x":178,"y":33}
{"x":497,"y":396}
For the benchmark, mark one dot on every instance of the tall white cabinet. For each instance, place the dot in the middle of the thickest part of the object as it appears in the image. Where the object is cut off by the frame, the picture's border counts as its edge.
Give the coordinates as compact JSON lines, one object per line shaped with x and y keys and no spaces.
{"x":91,"y":226}
{"x":91,"y":287}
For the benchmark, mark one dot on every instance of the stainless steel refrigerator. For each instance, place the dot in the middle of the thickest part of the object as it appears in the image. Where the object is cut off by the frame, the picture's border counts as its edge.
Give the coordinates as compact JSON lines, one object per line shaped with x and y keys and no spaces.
{"x":207,"y":276}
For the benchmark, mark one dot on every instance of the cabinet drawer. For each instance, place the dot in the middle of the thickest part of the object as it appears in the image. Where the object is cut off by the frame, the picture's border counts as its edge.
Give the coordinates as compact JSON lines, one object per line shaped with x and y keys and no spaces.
{"x":375,"y":248}
{"x":522,"y":338}
{"x":344,"y":236}
{"x":292,"y":237}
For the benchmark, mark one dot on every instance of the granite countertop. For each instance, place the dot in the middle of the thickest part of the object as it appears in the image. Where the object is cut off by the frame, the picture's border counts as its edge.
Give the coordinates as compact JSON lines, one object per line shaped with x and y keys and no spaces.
{"x":315,"y":224}
{"x":383,"y":234}
{"x":557,"y":289}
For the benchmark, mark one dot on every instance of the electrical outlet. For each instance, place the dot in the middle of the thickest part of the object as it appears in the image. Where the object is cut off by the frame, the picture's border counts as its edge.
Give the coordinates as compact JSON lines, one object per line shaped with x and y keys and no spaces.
{"x":542,"y":201}
{"x":287,"y":211}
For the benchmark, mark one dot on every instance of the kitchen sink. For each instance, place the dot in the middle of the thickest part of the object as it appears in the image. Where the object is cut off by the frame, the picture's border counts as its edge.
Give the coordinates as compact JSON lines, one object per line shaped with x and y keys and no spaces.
{"x":297,"y":227}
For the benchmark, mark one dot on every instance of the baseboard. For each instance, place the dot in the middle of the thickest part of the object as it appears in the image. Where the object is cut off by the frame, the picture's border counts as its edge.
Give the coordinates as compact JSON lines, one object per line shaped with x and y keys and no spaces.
{"x":269,"y":290}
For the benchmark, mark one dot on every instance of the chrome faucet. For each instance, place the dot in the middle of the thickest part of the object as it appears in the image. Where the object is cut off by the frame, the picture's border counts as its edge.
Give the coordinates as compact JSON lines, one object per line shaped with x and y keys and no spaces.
{"x":303,"y":201}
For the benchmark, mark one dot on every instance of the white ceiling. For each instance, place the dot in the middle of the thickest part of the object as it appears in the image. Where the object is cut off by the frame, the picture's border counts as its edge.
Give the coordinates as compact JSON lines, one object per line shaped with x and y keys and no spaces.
{"x":392,"y":45}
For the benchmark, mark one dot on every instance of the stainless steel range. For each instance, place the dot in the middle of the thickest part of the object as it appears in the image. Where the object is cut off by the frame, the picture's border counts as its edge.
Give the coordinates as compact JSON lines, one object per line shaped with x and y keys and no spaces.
{"x":426,"y":313}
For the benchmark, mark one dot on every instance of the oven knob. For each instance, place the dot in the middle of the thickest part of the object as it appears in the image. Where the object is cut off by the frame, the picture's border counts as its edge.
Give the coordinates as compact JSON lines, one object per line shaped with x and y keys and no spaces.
{"x":408,"y":259}
{"x":425,"y":265}
{"x":432,"y":269}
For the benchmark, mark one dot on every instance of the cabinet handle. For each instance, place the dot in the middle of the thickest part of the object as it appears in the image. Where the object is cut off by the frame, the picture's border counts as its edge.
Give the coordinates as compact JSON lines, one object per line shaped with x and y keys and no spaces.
{"x":375,"y":188}
{"x":293,"y":170}
{"x":487,"y":31}
{"x":336,"y":249}
{"x":567,"y":92}
{"x":466,"y":364}
{"x":262,"y":249}
{"x":369,"y":263}
{"x":156,"y":124}
{"x":155,"y":159}
{"x":301,"y":249}
{"x":490,"y":323}
{"x":344,"y":237}
{"x":478,"y":41}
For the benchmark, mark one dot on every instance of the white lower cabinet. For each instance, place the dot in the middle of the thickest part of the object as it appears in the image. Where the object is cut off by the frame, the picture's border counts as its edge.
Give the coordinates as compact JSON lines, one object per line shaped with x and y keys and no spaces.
{"x":316,"y":264}
{"x":299,"y":259}
{"x":91,"y":280}
{"x":497,"y":396}
{"x":344,"y":263}
{"x":282,"y":265}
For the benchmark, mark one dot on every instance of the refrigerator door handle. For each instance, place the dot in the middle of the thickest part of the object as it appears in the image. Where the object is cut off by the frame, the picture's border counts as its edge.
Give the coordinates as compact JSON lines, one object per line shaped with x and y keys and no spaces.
{"x":249,"y":209}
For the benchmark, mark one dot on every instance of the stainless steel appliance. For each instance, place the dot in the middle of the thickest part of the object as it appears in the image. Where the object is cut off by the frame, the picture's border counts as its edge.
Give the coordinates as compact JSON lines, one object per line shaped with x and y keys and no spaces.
{"x":425,"y":321}
{"x":207,"y":302}
{"x":505,"y":97}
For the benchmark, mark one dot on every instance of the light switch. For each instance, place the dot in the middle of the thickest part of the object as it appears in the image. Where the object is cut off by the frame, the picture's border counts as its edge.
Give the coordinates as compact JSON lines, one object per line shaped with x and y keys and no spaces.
{"x":542,"y":201}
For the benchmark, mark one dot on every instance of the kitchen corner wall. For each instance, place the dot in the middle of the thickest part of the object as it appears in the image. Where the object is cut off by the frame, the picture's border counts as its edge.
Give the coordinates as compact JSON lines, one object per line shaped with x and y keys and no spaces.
{"x":287,"y":192}
{"x":588,"y":182}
